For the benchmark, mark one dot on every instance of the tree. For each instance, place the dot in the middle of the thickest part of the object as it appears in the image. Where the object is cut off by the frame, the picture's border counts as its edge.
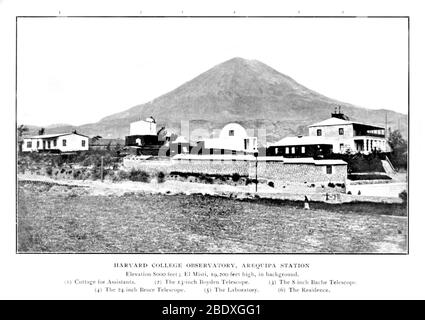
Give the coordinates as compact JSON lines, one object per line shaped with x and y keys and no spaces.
{"x":21,"y":129}
{"x":41,"y":131}
{"x":396,"y":140}
{"x":399,"y":149}
{"x":95,"y":138}
{"x":173,"y":136}
{"x":162,"y":134}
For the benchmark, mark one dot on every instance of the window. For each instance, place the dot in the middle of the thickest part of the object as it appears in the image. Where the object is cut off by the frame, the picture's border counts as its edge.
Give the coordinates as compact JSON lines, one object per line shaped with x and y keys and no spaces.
{"x":293,"y":150}
{"x":38,"y":144}
{"x":64,"y":142}
{"x":328,"y":169}
{"x":341,"y":131}
{"x":319,"y":132}
{"x":55,"y":142}
{"x":341,"y":146}
{"x":231,"y":133}
{"x":83,"y":143}
{"x":287,"y":150}
{"x":302,"y":149}
{"x":29,"y":144}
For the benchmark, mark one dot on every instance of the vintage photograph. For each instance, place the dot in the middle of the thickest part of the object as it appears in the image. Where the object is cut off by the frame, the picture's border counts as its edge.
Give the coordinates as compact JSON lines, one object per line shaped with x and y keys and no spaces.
{"x":203,"y":135}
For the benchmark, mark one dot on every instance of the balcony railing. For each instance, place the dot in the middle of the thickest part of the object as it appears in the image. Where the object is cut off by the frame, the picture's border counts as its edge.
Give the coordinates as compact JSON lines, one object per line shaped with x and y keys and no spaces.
{"x":369,"y":134}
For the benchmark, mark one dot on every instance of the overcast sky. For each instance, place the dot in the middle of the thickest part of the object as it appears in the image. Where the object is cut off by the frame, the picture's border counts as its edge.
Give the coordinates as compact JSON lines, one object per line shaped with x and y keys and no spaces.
{"x":78,"y":70}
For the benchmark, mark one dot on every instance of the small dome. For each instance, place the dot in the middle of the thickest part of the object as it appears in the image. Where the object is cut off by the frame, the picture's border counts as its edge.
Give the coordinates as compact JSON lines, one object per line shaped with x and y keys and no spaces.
{"x":233,"y":130}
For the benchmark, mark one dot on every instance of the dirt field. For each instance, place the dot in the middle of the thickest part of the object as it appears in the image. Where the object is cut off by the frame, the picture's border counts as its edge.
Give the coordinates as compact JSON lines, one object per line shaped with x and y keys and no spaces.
{"x":58,"y":218}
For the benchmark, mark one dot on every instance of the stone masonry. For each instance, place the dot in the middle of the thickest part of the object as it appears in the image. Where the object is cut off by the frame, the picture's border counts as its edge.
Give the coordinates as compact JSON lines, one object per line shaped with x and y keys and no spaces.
{"x":279,"y":171}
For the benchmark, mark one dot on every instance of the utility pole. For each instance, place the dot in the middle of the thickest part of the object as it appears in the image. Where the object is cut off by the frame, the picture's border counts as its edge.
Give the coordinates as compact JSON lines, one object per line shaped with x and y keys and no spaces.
{"x":101,"y":168}
{"x":256,"y":165}
{"x":386,"y":124}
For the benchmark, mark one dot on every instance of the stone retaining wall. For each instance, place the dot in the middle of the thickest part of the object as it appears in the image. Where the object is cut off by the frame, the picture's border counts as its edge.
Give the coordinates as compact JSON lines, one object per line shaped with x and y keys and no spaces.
{"x":224,"y":167}
{"x":300,"y":173}
{"x":277,"y":171}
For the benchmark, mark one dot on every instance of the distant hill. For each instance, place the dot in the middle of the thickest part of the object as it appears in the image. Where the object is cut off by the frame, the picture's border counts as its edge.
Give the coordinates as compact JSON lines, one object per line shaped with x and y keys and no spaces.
{"x":238,"y":90}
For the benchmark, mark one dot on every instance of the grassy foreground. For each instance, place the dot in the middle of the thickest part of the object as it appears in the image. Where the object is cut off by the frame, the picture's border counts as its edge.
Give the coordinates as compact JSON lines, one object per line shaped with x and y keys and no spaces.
{"x":55,"y":218}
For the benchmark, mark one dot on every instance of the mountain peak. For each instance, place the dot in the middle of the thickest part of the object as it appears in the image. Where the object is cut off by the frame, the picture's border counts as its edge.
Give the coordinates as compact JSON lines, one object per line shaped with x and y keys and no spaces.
{"x":238,"y":60}
{"x":242,"y":62}
{"x":245,"y":91}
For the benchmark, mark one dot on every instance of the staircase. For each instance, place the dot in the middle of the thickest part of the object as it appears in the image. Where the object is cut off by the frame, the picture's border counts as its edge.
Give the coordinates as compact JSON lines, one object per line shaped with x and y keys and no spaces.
{"x":388,"y":166}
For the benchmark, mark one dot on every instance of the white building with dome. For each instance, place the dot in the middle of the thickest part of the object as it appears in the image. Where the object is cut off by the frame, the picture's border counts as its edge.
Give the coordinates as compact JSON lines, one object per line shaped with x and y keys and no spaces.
{"x":232,"y":137}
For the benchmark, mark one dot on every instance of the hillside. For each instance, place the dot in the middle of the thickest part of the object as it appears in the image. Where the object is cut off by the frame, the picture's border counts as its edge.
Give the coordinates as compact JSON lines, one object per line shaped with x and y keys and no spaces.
{"x":244,"y":91}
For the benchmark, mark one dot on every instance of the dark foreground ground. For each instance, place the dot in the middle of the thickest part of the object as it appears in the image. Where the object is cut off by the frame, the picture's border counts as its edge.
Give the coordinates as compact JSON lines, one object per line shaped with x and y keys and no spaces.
{"x":55,"y":218}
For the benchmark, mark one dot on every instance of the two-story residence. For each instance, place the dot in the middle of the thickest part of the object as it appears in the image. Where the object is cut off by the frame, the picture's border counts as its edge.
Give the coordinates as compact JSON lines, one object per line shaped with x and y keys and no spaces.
{"x":337,"y":134}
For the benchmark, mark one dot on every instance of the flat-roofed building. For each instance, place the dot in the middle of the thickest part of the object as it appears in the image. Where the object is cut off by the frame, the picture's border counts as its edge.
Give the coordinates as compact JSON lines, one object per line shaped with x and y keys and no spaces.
{"x":300,"y":147}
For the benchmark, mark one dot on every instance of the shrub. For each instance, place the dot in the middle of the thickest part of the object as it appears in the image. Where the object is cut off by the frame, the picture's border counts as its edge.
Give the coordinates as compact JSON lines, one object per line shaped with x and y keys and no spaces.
{"x":331,"y":185}
{"x":271,"y":184}
{"x":76,"y":174}
{"x":355,"y":177}
{"x":161,"y":177}
{"x":222,"y":178}
{"x":123,"y":175}
{"x":235,"y":177}
{"x":49,"y":171}
{"x":403,"y":196}
{"x":95,"y":173}
{"x":139,"y":175}
{"x":206,"y":179}
{"x":87,"y":162}
{"x":361,"y":162}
